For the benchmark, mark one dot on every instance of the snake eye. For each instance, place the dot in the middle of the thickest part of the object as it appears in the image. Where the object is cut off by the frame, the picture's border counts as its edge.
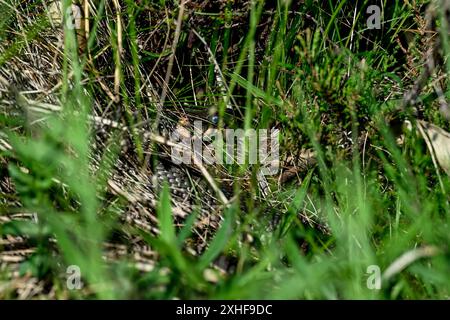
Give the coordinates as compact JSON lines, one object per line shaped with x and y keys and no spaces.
{"x":215,"y":119}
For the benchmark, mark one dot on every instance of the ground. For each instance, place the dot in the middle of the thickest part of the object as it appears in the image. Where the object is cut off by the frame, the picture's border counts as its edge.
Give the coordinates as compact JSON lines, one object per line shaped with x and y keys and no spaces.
{"x":93,"y":206}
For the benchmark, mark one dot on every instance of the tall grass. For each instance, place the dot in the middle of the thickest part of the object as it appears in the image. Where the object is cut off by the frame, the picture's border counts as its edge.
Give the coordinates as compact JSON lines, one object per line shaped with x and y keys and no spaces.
{"x":320,"y":73}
